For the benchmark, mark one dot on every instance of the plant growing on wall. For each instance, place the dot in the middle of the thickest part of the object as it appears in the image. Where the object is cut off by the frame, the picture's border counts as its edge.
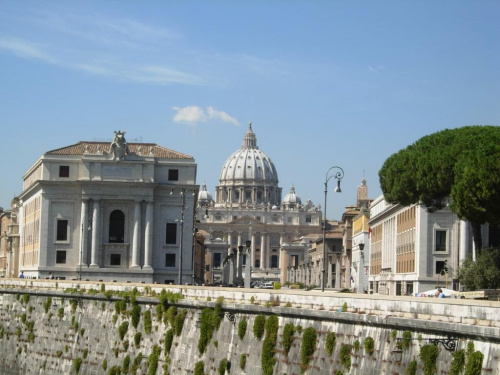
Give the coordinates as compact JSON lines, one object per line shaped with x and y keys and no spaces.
{"x":135,"y":315}
{"x":331,"y":339}
{"x":428,"y":355}
{"x":147,"y":321}
{"x":169,"y":317}
{"x":77,"y":364}
{"x":369,"y":345}
{"x":243,"y":361}
{"x":223,"y":366}
{"x":355,"y":345}
{"x":136,"y":364}
{"x":474,"y":363}
{"x":405,"y":342}
{"x":269,"y":345}
{"x":179,"y":322}
{"x":199,"y":368}
{"x":169,"y":339}
{"x":288,"y":332}
{"x":122,"y":330}
{"x":242,"y":328}
{"x":259,"y":326}
{"x":209,"y":323}
{"x":458,"y":363}
{"x":126,"y":364}
{"x":153,"y":360}
{"x":344,"y":307}
{"x":412,"y":368}
{"x":345,"y":356}
{"x":137,"y":338}
{"x":308,"y":347}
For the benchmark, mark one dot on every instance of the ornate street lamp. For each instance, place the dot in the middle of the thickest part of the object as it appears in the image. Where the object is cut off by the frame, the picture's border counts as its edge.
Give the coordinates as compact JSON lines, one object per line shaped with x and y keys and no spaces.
{"x":338,"y":175}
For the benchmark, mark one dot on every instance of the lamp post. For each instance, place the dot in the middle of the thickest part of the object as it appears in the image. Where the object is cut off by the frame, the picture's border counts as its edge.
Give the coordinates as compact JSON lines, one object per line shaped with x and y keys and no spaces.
{"x":338,"y":175}
{"x":248,"y":266}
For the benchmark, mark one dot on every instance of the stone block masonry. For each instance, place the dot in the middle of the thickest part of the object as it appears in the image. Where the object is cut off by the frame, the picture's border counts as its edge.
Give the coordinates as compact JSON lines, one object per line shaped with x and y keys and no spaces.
{"x":49,"y":328}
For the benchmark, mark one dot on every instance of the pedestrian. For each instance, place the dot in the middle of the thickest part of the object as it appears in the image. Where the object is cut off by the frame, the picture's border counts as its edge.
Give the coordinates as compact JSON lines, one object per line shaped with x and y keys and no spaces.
{"x":441,"y":294}
{"x":51,"y":276}
{"x":21,"y":275}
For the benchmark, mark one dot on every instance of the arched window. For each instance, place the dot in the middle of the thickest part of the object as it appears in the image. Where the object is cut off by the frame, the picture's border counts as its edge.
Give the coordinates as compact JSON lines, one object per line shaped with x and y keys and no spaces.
{"x":117,"y":227}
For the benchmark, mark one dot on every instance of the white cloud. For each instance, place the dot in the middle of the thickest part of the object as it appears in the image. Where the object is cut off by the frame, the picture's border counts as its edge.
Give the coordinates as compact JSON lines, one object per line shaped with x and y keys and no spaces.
{"x":376,"y":69}
{"x":25,"y":49}
{"x":193,"y":114}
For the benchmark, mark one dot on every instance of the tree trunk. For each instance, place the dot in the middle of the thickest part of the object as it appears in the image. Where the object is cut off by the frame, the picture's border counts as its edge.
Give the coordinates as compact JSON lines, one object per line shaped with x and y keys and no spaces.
{"x":477,"y":237}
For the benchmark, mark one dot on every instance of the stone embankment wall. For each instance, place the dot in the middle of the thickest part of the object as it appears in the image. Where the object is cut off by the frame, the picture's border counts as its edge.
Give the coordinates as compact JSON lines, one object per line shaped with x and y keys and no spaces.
{"x":50,"y":328}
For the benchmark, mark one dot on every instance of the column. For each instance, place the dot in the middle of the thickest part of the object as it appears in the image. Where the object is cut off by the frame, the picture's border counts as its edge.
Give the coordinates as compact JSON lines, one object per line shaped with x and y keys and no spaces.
{"x":84,"y":221}
{"x":251,"y":261}
{"x":239,"y":266}
{"x":148,"y":233}
{"x":263,"y":256}
{"x":136,"y":240}
{"x":96,"y":224}
{"x":230,"y":242}
{"x":337,"y":272}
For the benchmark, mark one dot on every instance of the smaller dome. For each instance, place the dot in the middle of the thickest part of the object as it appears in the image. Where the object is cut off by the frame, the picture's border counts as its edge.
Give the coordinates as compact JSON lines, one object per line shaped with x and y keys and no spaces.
{"x":204,"y":196}
{"x":292,"y":198}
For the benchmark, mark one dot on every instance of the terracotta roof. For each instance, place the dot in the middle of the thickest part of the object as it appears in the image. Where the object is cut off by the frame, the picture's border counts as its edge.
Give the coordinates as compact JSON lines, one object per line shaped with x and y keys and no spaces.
{"x":141,"y":149}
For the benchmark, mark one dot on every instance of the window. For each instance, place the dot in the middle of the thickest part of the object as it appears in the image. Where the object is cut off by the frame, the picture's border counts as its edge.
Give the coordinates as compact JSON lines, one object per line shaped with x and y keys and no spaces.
{"x":115,"y":259}
{"x":440,"y":240}
{"x":244,"y":259}
{"x":62,"y":230}
{"x":275,"y":219}
{"x":64,"y":171}
{"x":170,"y":260}
{"x":173,"y":175}
{"x":409,"y":288}
{"x":274,"y":261}
{"x":398,"y":288}
{"x":218,"y":217}
{"x":116,"y":227}
{"x":440,"y":266}
{"x":171,"y":235}
{"x":217,"y":259}
{"x":257,"y":263}
{"x":308,"y":219}
{"x":61,"y":257}
{"x":289,"y":219}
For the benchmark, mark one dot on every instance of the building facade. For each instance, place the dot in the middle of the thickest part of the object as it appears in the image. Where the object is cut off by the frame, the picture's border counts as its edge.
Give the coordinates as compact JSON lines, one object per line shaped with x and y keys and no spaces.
{"x":247,"y":209}
{"x":109,"y":211}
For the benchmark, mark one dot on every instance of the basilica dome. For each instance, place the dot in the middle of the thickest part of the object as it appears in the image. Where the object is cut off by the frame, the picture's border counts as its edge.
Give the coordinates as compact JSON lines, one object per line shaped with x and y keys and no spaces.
{"x":292,"y":197}
{"x":248,"y":177}
{"x":249,"y":163}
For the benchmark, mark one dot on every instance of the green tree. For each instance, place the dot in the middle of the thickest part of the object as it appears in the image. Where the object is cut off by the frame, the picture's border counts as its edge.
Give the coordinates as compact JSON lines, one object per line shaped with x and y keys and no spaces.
{"x":484,"y":273}
{"x":461,"y":164}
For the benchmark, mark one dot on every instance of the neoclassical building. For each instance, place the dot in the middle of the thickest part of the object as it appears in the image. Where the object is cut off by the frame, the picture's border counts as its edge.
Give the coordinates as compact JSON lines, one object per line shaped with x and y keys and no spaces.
{"x":247,"y":209}
{"x":109,"y":211}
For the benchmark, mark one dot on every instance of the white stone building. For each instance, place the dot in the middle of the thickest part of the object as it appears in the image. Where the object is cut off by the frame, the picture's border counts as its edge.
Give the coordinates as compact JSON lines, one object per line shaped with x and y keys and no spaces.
{"x":413,"y":250}
{"x":100,"y":211}
{"x":248,"y":207}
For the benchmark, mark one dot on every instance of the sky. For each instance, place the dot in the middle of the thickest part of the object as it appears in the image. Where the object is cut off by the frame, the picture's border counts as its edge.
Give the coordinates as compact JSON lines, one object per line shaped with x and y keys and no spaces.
{"x":324,"y":83}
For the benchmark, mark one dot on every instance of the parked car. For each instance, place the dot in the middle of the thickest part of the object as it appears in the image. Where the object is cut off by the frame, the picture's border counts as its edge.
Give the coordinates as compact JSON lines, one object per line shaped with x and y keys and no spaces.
{"x":268,"y":285}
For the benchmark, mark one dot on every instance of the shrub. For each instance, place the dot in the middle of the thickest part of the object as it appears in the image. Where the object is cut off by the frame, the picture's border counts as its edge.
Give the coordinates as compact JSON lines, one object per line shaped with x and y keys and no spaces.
{"x":47,"y":304}
{"x":199,"y":368}
{"x":412,"y":368}
{"x":288,"y":333}
{"x":242,"y":328}
{"x":394,"y":334}
{"x":243,"y":361}
{"x":179,"y":322}
{"x":122,"y":330}
{"x":428,"y":355}
{"x":369,"y":345}
{"x":308,"y":346}
{"x":277,"y":285}
{"x":222,"y":366}
{"x":153,"y":360}
{"x":136,"y":364}
{"x":405,"y":342}
{"x":104,"y":364}
{"x":85,"y":353}
{"x":331,"y":339}
{"x":258,"y":326}
{"x":126,"y":364}
{"x":135,"y":315}
{"x":458,"y":363}
{"x":137,"y":338}
{"x":356,"y":345}
{"x":344,"y":307}
{"x":474,"y":364}
{"x":77,"y":364}
{"x":345,"y":356}
{"x":169,"y":317}
{"x":208,"y":325}
{"x":60,"y":312}
{"x":147,"y":321}
{"x":169,"y":338}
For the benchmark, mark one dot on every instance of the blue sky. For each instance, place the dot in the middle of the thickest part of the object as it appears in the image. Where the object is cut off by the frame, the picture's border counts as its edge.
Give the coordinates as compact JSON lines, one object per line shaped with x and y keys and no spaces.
{"x":324,"y":83}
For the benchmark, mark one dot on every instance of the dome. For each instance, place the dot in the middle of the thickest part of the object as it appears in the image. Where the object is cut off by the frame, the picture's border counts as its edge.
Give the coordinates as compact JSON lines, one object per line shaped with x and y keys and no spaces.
{"x":204,"y":197}
{"x":291,"y":197}
{"x":248,"y":164}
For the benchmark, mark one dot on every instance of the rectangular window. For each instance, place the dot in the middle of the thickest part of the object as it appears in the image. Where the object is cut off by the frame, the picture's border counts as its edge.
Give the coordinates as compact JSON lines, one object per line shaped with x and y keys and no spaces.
{"x":170,"y":260}
{"x":61,"y":257}
{"x":171,"y":235}
{"x":217,"y":259}
{"x":308,"y":219}
{"x":62,"y":230}
{"x":275,"y":219}
{"x":173,"y":175}
{"x":64,"y":171}
{"x":218,"y":217}
{"x":440,"y":240}
{"x":115,"y":259}
{"x":440,"y":266}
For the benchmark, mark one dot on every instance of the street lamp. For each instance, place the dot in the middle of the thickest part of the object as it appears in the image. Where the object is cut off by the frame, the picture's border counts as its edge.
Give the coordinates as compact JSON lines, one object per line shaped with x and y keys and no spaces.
{"x":248,"y":266}
{"x":338,"y":175}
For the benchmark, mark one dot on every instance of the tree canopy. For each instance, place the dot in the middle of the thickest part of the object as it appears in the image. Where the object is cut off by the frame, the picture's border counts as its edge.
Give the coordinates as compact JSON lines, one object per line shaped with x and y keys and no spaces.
{"x":457,"y":166}
{"x":484,"y":273}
